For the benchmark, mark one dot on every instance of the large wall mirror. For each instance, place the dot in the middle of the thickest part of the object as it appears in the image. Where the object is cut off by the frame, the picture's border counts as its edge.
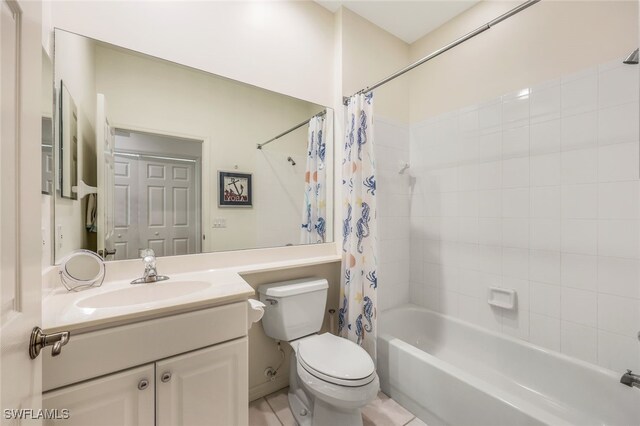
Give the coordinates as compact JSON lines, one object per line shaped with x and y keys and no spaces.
{"x":153,"y":154}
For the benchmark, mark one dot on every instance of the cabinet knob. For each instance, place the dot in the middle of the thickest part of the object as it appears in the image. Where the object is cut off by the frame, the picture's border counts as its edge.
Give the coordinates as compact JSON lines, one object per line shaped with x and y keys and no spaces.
{"x":166,"y":376}
{"x":143,"y":384}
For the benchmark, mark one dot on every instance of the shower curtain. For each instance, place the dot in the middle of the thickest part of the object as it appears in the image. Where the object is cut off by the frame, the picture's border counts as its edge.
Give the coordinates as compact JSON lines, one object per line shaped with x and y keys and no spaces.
{"x":314,"y":207}
{"x":358,"y":284}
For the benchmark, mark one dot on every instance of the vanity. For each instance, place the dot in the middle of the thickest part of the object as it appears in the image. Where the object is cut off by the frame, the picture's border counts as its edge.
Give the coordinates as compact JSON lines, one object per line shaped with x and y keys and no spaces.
{"x":166,"y":353}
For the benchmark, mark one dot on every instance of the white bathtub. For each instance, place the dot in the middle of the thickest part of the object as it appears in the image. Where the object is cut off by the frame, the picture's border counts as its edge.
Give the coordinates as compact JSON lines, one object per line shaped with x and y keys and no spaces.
{"x":448,"y":372}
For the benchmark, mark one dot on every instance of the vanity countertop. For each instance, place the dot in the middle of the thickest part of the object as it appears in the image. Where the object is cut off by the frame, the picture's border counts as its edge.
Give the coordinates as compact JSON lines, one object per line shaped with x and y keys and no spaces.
{"x":118,"y":302}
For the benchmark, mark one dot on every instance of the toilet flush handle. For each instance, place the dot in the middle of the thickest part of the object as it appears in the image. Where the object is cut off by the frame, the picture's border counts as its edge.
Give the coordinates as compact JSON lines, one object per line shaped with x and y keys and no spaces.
{"x":271,"y":301}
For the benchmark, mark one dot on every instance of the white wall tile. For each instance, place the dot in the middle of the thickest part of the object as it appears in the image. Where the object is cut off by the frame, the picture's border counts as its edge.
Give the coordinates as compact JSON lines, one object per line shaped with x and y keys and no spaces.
{"x":618,"y":276}
{"x":579,"y":271}
{"x":580,"y":236}
{"x":618,"y":162}
{"x":515,"y":232}
{"x":468,"y":308}
{"x":545,"y":202}
{"x":490,"y":146}
{"x":515,"y":263}
{"x":545,"y":234}
{"x":579,"y":341}
{"x":580,"y":201}
{"x":617,"y":85}
{"x":545,"y":100}
{"x":515,"y":202}
{"x":580,"y":92}
{"x":515,"y":172}
{"x":579,"y":131}
{"x":515,"y":142}
{"x":490,"y":259}
{"x":618,"y":124}
{"x":544,"y":266}
{"x":580,"y":166}
{"x":490,"y":231}
{"x":618,"y":200}
{"x":546,"y":137}
{"x":515,"y":108}
{"x":469,"y":284}
{"x":490,"y":203}
{"x":545,"y":299}
{"x":544,"y":331}
{"x":579,"y":306}
{"x":546,"y":169}
{"x":490,"y":175}
{"x":618,"y":238}
{"x":618,"y":353}
{"x":618,"y":314}
{"x":490,"y":115}
{"x":539,"y":194}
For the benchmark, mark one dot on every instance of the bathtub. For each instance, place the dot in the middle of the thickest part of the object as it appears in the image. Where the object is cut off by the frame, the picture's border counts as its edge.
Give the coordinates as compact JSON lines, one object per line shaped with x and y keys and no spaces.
{"x":448,"y":372}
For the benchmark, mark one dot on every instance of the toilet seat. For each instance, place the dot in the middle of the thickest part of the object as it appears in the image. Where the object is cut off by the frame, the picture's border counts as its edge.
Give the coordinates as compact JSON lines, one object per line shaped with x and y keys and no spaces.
{"x":336,"y":360}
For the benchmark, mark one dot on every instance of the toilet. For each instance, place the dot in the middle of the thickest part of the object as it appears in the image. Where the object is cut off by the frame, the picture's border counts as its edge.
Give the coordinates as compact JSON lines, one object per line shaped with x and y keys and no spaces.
{"x":331,"y":378}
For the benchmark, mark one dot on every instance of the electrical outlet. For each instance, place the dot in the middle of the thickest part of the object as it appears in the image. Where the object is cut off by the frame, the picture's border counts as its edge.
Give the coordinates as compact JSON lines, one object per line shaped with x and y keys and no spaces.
{"x":219,"y":222}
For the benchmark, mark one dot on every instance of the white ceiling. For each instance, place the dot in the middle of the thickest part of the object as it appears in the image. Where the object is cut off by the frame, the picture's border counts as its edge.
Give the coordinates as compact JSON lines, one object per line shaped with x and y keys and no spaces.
{"x":407,"y":20}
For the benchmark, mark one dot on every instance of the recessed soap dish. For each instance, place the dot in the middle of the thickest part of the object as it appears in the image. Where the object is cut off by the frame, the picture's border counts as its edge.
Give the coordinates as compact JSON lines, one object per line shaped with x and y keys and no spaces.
{"x":504,"y":298}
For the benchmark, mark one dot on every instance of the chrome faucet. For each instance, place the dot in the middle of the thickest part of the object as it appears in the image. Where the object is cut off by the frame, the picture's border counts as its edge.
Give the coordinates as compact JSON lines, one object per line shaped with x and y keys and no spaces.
{"x":150,"y":271}
{"x":630,"y":379}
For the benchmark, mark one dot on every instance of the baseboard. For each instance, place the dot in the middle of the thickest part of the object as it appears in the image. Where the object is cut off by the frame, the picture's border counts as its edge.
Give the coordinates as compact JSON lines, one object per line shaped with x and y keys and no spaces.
{"x":267,"y":388}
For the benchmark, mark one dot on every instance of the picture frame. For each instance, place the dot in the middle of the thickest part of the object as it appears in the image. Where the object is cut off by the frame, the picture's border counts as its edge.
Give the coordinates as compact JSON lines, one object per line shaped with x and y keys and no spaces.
{"x":235,"y":189}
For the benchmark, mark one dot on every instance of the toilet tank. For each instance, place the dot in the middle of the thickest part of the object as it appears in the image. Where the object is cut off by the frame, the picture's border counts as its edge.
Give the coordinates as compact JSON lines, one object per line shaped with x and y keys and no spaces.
{"x":294,"y":308}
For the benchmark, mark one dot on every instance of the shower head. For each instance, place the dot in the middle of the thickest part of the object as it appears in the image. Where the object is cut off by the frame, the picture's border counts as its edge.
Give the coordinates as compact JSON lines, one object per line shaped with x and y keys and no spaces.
{"x":632,"y":59}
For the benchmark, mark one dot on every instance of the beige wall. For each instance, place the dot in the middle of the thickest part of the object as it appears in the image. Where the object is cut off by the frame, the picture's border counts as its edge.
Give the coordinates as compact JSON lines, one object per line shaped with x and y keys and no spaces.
{"x":368,"y":55}
{"x":285,"y":46}
{"x":263,"y":351}
{"x":549,"y":39}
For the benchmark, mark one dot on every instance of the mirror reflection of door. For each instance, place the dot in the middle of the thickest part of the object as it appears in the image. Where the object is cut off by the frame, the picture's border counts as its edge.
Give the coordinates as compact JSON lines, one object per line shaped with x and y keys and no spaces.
{"x":157,"y":195}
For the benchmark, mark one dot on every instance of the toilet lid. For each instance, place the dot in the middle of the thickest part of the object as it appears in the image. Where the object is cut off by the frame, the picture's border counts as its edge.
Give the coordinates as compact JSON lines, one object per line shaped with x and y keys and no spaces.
{"x":335,"y":357}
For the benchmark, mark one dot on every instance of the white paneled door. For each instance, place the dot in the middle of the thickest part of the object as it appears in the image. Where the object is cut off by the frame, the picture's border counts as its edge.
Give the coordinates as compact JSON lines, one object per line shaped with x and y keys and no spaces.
{"x":167,"y":206}
{"x":156,"y":206}
{"x":20,"y":182}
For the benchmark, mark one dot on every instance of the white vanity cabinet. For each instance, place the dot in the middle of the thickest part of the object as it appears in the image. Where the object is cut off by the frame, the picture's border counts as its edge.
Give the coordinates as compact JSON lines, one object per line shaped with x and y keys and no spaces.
{"x":186,"y":369}
{"x":125,"y":399}
{"x":209,"y":386}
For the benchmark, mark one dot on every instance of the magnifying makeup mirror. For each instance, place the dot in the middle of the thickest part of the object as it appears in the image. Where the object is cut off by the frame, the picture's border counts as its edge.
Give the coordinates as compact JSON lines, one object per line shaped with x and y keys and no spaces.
{"x":82,"y":269}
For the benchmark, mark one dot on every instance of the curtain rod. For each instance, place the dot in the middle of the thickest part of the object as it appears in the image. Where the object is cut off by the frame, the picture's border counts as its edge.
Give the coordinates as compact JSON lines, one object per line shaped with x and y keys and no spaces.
{"x":449,"y":46}
{"x":296,"y":127}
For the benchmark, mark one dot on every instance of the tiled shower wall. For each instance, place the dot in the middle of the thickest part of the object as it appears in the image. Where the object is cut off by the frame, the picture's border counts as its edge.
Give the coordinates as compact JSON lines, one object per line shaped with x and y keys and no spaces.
{"x":537,"y":191}
{"x":391,"y":151}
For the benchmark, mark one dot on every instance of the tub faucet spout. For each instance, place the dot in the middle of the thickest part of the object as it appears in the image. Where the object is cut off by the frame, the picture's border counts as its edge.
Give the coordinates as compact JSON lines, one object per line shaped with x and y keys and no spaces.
{"x":630,"y":379}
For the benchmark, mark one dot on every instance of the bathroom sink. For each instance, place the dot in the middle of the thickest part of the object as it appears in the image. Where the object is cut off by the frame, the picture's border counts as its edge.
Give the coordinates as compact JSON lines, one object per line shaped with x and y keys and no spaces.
{"x":142,"y":294}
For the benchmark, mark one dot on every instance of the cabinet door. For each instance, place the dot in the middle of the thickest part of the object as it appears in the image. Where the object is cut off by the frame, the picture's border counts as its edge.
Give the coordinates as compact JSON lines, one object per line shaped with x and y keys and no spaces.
{"x":117,"y":399}
{"x":205,"y":387}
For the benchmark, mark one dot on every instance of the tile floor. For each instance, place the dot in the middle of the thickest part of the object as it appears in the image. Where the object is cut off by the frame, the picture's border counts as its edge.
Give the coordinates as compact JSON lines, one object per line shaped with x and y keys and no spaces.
{"x":273,"y":410}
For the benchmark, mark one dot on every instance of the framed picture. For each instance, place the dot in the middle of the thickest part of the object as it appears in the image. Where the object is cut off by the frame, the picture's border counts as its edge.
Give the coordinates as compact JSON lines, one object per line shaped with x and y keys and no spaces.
{"x":234,"y":189}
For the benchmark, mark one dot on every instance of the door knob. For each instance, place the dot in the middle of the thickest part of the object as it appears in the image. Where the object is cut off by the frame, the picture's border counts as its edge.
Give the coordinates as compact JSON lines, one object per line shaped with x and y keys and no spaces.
{"x":166,"y":376}
{"x":143,"y":384}
{"x":40,"y":340}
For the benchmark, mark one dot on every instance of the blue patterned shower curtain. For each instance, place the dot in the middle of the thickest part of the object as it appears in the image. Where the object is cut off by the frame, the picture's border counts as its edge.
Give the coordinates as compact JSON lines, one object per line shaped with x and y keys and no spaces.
{"x":314,"y":224}
{"x":357,"y":315}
